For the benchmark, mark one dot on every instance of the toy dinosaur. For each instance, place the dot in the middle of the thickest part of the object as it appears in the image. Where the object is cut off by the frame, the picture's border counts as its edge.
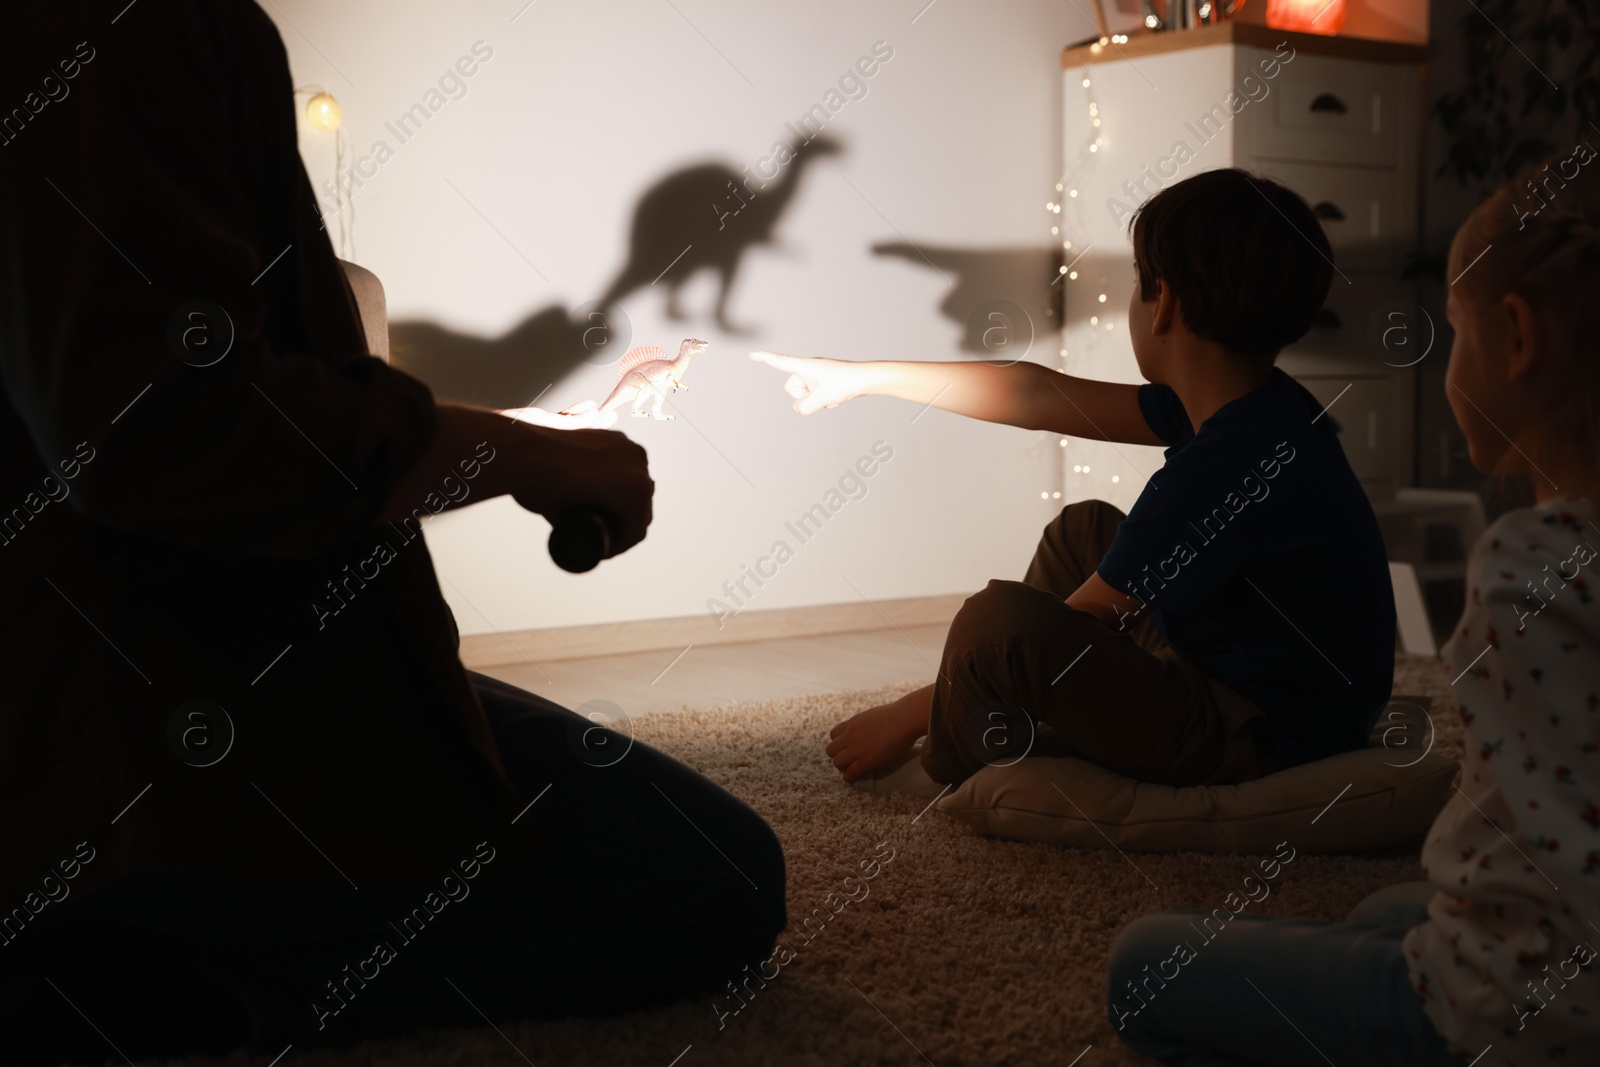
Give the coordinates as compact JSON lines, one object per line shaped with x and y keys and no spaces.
{"x":645,"y":372}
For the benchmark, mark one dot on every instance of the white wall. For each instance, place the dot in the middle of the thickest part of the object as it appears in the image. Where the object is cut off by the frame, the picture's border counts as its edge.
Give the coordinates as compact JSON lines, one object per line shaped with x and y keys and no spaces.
{"x":581,"y":107}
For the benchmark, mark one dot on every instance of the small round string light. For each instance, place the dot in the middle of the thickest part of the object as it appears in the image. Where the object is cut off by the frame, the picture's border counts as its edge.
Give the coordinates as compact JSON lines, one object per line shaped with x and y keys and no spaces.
{"x":324,"y":113}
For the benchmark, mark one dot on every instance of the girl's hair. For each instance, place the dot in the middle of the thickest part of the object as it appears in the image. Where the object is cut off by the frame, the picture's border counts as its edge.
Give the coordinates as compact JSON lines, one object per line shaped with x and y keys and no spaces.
{"x":1539,"y":238}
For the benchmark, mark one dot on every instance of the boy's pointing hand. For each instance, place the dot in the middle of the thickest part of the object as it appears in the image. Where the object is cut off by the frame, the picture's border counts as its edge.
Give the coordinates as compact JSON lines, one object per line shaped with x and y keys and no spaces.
{"x":817,"y":383}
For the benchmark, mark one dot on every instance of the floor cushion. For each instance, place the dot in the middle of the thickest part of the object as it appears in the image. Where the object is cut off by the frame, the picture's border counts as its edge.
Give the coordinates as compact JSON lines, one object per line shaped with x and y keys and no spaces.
{"x":1383,"y":797}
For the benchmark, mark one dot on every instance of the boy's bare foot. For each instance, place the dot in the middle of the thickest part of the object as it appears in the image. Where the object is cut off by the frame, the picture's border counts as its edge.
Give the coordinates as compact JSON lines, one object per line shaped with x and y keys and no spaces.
{"x":880,"y":736}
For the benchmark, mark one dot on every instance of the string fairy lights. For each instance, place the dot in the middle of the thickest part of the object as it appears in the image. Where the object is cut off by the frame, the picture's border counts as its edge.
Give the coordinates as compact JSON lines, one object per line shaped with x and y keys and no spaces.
{"x":1061,"y":225}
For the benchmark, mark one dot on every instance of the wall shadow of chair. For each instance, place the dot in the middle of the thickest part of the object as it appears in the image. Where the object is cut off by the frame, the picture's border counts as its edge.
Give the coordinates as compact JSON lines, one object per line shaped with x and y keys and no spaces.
{"x":998,"y":296}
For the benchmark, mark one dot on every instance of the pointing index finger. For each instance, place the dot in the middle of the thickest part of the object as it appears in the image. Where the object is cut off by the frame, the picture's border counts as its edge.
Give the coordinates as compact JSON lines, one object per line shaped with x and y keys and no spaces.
{"x":774,"y":359}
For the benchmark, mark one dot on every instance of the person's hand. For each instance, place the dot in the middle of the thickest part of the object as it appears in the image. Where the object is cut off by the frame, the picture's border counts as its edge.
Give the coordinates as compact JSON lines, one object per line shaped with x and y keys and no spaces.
{"x":560,"y":471}
{"x":817,"y":383}
{"x":581,"y":416}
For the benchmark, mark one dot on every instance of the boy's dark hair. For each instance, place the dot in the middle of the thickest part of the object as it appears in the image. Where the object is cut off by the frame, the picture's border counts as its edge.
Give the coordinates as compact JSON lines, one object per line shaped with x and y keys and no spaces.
{"x":1245,"y":257}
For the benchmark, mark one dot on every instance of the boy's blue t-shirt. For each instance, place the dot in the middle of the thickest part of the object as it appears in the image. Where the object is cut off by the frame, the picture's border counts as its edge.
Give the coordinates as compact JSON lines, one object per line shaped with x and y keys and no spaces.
{"x":1260,"y":560}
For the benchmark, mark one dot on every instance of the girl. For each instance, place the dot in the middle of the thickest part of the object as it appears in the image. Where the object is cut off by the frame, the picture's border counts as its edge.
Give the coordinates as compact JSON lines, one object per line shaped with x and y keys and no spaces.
{"x":1493,"y":954}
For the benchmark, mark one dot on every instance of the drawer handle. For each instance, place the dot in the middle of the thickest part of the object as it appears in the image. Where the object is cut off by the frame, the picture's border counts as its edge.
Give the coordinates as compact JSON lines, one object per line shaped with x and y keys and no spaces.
{"x":1327,"y":209}
{"x":1327,"y":319}
{"x":1329,"y":102}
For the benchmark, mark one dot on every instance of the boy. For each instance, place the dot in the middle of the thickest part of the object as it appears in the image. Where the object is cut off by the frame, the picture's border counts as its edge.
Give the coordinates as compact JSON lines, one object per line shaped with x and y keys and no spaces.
{"x":1239,"y":619}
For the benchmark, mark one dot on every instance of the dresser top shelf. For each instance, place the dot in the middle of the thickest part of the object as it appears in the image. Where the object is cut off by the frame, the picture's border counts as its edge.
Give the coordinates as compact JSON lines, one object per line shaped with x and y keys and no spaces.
{"x":1244,"y":33}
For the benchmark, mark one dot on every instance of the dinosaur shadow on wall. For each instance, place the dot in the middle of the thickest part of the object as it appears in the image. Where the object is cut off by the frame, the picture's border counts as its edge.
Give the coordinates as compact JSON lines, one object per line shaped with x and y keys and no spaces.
{"x":704,"y":217}
{"x":1001,"y":298}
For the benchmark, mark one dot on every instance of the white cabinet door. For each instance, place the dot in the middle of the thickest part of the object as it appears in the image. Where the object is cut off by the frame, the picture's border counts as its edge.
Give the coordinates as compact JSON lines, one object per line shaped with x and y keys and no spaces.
{"x":1330,"y":110}
{"x":1366,"y":213}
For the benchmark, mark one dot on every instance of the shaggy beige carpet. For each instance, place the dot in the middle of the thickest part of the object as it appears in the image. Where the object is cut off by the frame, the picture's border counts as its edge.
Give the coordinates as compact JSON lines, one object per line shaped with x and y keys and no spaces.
{"x":966,"y":951}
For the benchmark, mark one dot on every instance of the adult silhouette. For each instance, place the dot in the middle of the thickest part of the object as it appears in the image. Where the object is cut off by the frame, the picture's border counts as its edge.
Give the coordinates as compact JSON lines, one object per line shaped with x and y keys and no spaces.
{"x":249,"y":794}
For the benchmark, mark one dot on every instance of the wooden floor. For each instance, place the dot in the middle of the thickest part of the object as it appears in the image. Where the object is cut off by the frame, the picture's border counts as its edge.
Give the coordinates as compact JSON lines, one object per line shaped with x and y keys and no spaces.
{"x":672,"y":679}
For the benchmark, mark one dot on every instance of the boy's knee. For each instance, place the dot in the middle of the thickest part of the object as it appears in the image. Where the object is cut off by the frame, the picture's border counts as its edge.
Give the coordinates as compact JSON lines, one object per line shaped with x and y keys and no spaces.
{"x":1092,"y":510}
{"x":1086,"y":521}
{"x":1005,"y":609}
{"x":998,"y":600}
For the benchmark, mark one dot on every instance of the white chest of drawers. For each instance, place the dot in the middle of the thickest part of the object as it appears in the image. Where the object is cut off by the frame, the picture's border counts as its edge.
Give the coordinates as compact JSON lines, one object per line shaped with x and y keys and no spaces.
{"x":1336,"y":119}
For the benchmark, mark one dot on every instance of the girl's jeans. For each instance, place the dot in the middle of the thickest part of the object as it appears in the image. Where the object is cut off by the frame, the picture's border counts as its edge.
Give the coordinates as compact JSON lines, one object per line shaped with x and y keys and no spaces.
{"x":1285,"y":992}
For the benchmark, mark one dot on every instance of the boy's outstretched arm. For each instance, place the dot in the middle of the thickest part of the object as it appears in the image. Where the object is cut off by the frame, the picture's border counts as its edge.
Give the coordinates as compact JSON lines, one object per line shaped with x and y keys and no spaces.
{"x":1022,"y":394}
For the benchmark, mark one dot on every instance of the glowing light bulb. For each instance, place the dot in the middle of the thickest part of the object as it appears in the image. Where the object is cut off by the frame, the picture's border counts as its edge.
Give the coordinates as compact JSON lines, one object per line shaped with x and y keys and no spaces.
{"x":1077,"y":469}
{"x":1055,"y":230}
{"x":1073,"y":193}
{"x":1086,"y":83}
{"x":1044,"y":496}
{"x":323,"y":112}
{"x":1094,"y":320}
{"x":1115,"y":479}
{"x":1086,"y":468}
{"x":1056,"y":495}
{"x":1067,"y":245}
{"x":1094,"y":148}
{"x":1063,"y":441}
{"x":1063,"y":270}
{"x":1058,"y":187}
{"x":1073,"y":276}
{"x":1102,"y":298}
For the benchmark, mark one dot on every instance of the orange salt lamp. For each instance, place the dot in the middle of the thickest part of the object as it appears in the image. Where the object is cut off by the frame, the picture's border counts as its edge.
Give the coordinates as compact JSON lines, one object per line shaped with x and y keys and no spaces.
{"x":1307,"y":16}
